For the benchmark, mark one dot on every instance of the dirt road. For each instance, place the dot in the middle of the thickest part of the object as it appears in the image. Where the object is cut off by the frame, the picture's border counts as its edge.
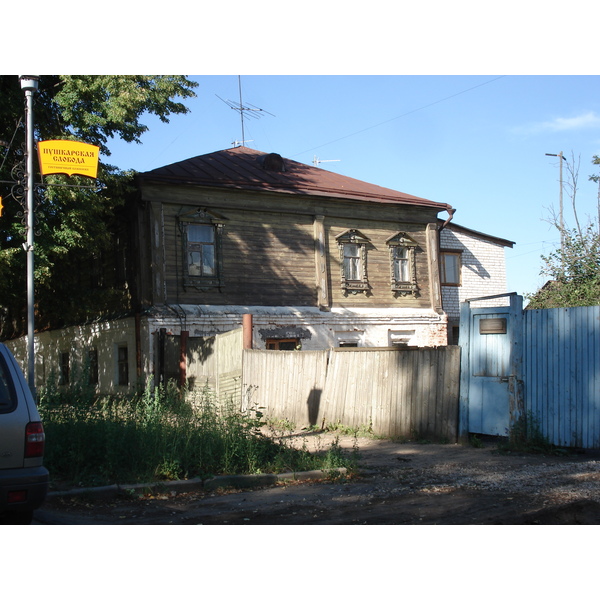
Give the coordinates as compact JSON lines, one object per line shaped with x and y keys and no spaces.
{"x":397,"y":484}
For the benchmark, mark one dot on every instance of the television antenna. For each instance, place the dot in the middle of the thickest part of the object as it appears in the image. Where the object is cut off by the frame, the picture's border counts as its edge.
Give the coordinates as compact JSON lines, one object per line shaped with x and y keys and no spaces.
{"x":245,"y":110}
{"x":318,"y":161}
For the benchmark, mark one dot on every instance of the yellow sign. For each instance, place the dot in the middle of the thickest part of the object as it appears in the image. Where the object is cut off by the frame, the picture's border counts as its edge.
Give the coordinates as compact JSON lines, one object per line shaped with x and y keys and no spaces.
{"x":70,"y":158}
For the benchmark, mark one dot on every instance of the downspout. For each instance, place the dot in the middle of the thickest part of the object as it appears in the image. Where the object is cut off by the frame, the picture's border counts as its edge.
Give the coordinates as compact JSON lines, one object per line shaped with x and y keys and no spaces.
{"x":450,"y":212}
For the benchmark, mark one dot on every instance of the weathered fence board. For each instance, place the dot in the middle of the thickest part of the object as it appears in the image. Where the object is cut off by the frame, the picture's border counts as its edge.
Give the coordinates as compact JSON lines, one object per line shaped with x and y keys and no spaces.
{"x":398,"y":393}
{"x":288,"y":385}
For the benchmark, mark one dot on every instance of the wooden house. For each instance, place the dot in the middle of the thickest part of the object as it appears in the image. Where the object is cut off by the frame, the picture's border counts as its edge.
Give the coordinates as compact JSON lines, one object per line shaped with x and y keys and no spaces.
{"x":318,"y":259}
{"x":303,"y":258}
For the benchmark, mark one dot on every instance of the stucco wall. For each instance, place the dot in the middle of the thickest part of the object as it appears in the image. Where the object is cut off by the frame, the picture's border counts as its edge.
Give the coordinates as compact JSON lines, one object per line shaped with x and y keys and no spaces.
{"x":105,"y":338}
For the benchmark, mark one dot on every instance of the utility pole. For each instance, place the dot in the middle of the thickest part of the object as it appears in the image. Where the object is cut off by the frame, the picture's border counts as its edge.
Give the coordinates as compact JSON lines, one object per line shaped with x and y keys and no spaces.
{"x":560,"y":217}
{"x":29,"y":84}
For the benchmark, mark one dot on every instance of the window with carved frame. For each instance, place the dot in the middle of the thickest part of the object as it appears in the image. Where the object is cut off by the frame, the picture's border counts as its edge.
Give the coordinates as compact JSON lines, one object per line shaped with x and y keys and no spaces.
{"x":353,"y":261}
{"x":403,"y":271}
{"x":201,"y":232}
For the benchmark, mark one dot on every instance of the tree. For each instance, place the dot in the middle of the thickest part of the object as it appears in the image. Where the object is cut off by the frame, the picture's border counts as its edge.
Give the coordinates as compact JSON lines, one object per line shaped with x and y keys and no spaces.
{"x":574,"y":268}
{"x":75,"y":226}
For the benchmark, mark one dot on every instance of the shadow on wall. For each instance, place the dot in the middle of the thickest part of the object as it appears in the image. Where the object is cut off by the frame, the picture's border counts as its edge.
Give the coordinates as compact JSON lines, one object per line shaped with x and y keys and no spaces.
{"x":471,"y":268}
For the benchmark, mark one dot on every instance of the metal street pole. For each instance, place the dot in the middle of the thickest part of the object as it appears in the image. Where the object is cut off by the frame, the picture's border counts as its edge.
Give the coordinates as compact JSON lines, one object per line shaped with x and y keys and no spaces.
{"x":29,"y":84}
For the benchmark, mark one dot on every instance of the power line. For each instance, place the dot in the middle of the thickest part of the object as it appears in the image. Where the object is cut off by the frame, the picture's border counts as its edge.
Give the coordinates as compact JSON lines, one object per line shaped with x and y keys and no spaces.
{"x":410,"y":112}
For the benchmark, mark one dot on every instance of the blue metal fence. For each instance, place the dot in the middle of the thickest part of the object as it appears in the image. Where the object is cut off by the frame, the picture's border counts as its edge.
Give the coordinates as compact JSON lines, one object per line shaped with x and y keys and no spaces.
{"x":561,"y":360}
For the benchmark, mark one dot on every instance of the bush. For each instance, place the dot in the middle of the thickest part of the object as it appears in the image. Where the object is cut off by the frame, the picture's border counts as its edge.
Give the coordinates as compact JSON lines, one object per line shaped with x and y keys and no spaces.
{"x":162,"y":434}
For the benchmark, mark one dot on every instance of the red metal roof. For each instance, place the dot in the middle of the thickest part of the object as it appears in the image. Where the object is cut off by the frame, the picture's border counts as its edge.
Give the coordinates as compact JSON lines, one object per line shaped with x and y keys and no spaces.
{"x":245,"y":168}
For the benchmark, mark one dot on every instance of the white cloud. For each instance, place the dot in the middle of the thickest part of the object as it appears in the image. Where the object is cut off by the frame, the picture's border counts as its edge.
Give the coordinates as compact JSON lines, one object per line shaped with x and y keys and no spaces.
{"x":587,"y":120}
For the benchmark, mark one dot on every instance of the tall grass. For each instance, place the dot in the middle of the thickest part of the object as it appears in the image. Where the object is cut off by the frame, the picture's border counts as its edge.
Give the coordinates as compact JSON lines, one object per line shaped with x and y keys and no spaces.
{"x":162,"y":434}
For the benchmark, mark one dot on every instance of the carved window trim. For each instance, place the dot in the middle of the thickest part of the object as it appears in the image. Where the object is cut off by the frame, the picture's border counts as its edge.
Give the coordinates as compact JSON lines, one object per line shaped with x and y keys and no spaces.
{"x":202,"y":216}
{"x":353,"y":261}
{"x":403,"y":268}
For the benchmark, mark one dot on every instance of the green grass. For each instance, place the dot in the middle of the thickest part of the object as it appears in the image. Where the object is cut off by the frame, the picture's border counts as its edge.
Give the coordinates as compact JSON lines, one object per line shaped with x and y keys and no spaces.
{"x":159,"y":435}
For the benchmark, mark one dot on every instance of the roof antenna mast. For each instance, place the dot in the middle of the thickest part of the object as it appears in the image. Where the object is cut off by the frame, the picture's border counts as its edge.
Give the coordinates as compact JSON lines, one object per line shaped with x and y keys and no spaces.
{"x":249,"y":110}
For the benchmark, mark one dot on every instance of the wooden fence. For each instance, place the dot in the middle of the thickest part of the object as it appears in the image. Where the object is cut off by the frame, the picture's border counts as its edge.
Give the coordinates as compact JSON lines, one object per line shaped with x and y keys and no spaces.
{"x":395,"y":392}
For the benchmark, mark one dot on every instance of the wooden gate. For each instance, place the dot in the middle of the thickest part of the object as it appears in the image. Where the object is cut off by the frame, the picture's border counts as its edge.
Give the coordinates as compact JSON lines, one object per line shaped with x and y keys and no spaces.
{"x":491,"y":397}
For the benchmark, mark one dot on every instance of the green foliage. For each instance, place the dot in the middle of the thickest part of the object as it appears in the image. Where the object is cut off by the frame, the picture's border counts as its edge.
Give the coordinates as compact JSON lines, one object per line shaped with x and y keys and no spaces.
{"x":526,"y":436}
{"x":81,"y":234}
{"x":574,"y":271}
{"x":162,"y":433}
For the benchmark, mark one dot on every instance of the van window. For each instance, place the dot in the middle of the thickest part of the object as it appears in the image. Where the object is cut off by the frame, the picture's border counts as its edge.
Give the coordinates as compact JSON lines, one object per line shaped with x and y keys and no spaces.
{"x":8,"y":396}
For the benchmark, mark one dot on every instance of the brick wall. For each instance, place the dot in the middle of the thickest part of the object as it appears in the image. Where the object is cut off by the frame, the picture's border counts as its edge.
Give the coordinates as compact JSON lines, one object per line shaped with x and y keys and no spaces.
{"x":483,"y":269}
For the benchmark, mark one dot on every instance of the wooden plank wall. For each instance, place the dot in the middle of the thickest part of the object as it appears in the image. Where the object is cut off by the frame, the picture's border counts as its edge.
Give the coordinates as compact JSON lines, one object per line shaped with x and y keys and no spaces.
{"x":398,"y":393}
{"x":288,"y":384}
{"x":562,"y":374}
{"x":215,"y":363}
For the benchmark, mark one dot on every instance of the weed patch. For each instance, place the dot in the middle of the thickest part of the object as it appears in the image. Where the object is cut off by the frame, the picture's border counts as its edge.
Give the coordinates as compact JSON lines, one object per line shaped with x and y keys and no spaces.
{"x":163,"y":434}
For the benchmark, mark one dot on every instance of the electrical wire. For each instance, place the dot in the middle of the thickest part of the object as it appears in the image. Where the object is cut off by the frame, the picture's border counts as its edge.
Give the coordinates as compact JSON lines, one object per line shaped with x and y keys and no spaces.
{"x":410,"y":112}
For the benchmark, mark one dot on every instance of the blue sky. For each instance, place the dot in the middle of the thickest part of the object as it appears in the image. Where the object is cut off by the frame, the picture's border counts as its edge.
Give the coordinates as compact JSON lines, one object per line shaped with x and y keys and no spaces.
{"x":477,"y":142}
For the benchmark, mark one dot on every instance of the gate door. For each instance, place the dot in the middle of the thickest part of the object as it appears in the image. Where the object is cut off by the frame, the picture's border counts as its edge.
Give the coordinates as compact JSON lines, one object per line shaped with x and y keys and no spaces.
{"x":490,"y":367}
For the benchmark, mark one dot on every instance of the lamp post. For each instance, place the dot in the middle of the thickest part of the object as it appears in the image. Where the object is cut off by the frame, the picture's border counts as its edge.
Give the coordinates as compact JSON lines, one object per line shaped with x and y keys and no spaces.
{"x":29,"y":84}
{"x":561,"y":221}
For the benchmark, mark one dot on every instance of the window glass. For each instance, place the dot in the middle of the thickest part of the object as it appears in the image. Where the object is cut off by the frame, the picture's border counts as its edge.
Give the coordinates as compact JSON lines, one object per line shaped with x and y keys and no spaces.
{"x":451,"y":268}
{"x":7,"y":391}
{"x":65,"y":368}
{"x":282,"y":344}
{"x":201,"y":250}
{"x":352,"y":262}
{"x":201,"y":233}
{"x":93,"y":366}
{"x":401,"y":270}
{"x":122,"y":366}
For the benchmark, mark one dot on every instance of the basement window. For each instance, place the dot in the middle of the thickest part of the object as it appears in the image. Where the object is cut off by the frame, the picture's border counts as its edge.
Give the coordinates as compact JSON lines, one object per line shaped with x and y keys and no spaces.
{"x":283,"y":344}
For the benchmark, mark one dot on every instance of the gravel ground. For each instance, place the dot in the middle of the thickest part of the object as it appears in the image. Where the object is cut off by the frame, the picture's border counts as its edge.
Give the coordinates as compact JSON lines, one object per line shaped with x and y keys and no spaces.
{"x":397,"y":483}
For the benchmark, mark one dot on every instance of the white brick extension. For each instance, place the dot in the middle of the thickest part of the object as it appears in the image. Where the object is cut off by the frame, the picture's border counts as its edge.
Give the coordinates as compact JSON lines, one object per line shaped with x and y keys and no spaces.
{"x":483,"y":267}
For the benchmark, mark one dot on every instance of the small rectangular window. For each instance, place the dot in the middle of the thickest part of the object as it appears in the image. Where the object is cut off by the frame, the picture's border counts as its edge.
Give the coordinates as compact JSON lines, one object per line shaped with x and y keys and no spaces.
{"x":450,"y":268}
{"x":283,"y":344}
{"x":93,"y":366}
{"x":122,"y":366}
{"x":65,"y":368}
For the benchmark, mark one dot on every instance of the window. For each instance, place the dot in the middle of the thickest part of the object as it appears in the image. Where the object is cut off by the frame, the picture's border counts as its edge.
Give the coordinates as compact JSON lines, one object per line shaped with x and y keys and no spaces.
{"x":122,"y":365}
{"x":8,"y":396}
{"x":283,"y":344}
{"x":402,"y":264}
{"x":201,"y":234}
{"x":401,"y":338}
{"x":450,"y":265}
{"x":65,"y":368}
{"x":348,"y":344}
{"x":93,"y":366}
{"x":353,"y":261}
{"x":201,"y":250}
